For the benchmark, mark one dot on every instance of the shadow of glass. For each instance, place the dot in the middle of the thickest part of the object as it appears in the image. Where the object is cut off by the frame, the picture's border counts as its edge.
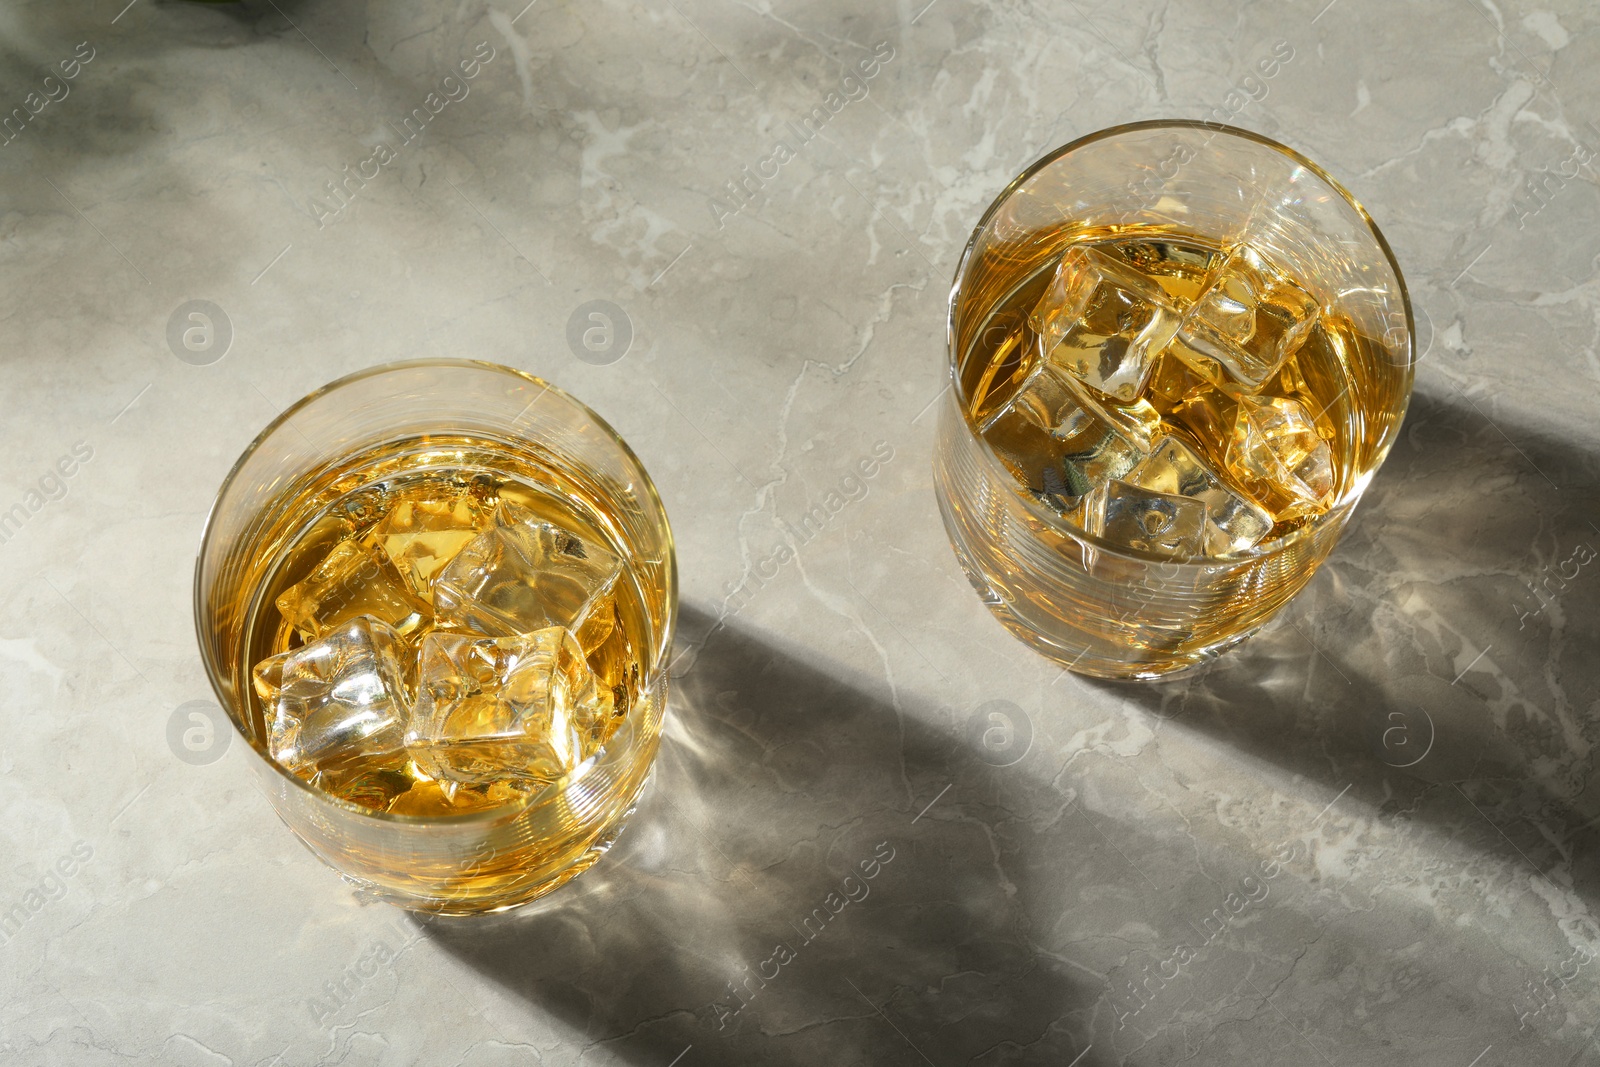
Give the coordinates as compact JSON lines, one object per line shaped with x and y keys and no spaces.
{"x":999,"y":920}
{"x":92,"y":88}
{"x":1444,"y":662}
{"x":799,"y":886}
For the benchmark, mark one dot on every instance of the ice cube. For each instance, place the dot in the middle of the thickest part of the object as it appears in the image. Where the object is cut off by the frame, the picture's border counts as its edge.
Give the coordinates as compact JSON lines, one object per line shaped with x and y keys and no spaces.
{"x":523,"y":708}
{"x":355,"y":579}
{"x":1250,"y":317}
{"x":1145,"y":519}
{"x":521,"y":575}
{"x":1321,"y":368}
{"x":1172,"y":379}
{"x":1233,"y":523}
{"x":371,"y":781}
{"x":1207,"y":416}
{"x":421,"y":536}
{"x":338,"y":699}
{"x":615,"y":660}
{"x":1170,"y":264}
{"x":1060,"y":442}
{"x":425,"y":797}
{"x":1278,"y":457}
{"x":1103,"y":321}
{"x":430,"y":797}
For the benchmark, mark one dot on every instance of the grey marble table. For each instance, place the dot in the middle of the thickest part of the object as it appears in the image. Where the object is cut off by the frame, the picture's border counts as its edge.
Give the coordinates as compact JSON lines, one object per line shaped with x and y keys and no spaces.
{"x":1367,"y":836}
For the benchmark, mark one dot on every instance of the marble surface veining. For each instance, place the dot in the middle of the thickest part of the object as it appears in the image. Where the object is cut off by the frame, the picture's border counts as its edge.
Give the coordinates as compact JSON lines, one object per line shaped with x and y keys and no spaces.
{"x":1366,"y":837}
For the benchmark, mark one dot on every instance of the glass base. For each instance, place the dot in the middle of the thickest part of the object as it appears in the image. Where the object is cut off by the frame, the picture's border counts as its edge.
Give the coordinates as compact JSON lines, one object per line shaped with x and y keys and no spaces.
{"x":1055,"y":640}
{"x":1076,"y":659}
{"x":519,"y":896}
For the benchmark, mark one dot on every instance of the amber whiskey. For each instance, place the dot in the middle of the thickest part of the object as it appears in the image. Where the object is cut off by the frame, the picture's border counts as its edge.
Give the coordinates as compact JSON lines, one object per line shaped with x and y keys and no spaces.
{"x":445,"y":639}
{"x":1172,"y":395}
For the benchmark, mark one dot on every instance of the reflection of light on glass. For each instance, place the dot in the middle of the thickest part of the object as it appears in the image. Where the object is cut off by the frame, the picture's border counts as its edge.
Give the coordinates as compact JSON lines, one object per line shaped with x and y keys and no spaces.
{"x":1251,"y":272}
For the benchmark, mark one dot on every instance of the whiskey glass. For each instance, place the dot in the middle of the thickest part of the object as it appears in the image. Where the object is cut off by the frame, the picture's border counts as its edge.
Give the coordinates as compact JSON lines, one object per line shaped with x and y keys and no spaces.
{"x":395,"y":421}
{"x":1106,"y":607}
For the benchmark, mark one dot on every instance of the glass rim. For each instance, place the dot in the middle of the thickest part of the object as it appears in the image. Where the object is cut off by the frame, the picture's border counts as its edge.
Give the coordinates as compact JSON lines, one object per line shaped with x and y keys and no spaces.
{"x":486,"y":815}
{"x":1053,"y":519}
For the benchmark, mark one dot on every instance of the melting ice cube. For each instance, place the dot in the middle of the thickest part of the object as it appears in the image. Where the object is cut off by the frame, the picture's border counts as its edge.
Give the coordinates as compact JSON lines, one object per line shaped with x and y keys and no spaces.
{"x":338,"y":699}
{"x":1248,"y":320}
{"x":421,"y":536}
{"x":1060,"y":442}
{"x":524,"y":708}
{"x":1278,"y":457}
{"x":521,"y":575}
{"x":1103,"y":321}
{"x":1146,"y":519}
{"x":355,"y":579}
{"x":1233,"y":523}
